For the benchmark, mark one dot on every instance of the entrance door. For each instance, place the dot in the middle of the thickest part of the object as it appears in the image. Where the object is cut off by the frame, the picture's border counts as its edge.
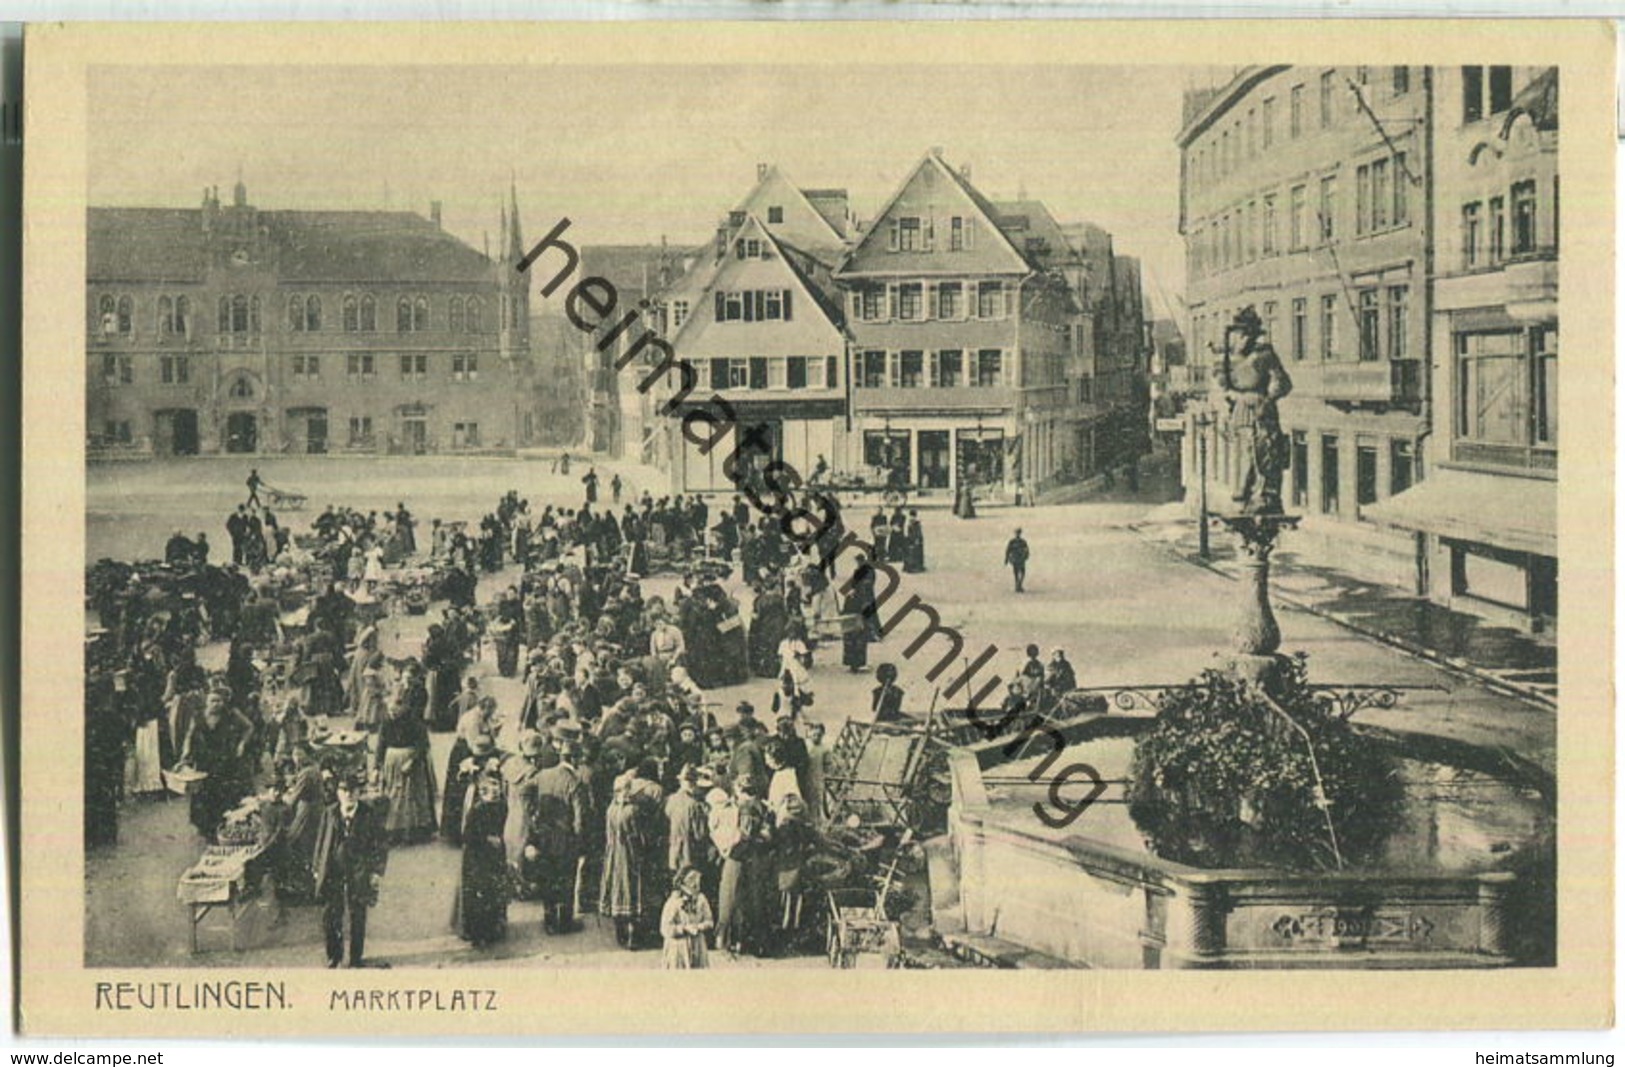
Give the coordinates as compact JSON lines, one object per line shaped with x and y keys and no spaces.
{"x":316,"y":432}
{"x":934,"y":459}
{"x":242,"y":432}
{"x":416,"y":432}
{"x":174,"y":432}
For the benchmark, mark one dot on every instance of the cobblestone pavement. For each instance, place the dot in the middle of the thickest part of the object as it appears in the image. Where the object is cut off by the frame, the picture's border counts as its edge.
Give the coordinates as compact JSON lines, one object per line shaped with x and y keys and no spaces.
{"x":1097,"y":587}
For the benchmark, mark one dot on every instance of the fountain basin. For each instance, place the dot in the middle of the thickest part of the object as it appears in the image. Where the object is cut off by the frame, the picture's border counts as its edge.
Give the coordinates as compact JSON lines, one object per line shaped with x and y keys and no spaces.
{"x":1462,"y":882}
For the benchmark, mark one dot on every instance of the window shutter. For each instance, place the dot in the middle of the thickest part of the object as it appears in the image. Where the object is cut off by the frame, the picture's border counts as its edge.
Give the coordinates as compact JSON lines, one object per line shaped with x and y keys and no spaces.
{"x":750,"y":304}
{"x":929,"y":241}
{"x":1009,"y":302}
{"x":787,"y":305}
{"x":933,"y":378}
{"x":970,"y":232}
{"x":891,"y":236}
{"x":831,"y":374}
{"x":721,"y":308}
{"x":972,"y":294}
{"x":857,"y":306}
{"x":930,"y":300}
{"x":719,"y":374}
{"x":891,"y":301}
{"x":894,"y":364}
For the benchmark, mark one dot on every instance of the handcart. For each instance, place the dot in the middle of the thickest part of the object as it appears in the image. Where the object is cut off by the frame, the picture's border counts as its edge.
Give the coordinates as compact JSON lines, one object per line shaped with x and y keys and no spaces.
{"x":284,"y":498}
{"x":858,"y":926}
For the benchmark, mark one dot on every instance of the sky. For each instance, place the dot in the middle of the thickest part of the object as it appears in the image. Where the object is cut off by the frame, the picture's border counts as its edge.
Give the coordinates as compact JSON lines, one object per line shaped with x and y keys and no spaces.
{"x":631,"y":153}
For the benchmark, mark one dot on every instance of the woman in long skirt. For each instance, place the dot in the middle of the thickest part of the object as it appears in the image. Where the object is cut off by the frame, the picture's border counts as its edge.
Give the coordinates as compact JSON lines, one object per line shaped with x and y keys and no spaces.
{"x":406,"y":778}
{"x":371,"y":702}
{"x":854,"y":635}
{"x":305,"y":802}
{"x":481,"y":912}
{"x":684,"y":922}
{"x":365,"y":657}
{"x":621,"y":890}
{"x":476,"y":740}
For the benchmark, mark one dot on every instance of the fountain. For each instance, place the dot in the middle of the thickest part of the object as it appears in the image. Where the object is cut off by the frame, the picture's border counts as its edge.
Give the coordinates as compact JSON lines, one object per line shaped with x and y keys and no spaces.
{"x":1247,"y":822}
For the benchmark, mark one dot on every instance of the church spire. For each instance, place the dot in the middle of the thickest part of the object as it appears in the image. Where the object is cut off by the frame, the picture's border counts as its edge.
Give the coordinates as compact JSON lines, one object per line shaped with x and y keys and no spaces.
{"x":516,"y":240}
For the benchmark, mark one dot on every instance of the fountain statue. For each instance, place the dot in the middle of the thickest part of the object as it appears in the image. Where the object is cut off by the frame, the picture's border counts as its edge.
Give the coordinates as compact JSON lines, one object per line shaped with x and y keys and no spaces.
{"x":1251,"y":382}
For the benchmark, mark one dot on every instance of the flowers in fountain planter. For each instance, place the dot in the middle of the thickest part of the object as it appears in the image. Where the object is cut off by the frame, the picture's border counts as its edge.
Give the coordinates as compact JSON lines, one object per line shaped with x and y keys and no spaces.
{"x":1230,"y":776}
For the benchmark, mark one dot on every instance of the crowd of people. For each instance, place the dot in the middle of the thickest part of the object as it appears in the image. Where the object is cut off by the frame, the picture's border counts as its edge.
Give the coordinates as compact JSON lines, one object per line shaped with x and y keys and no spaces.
{"x":613,"y":785}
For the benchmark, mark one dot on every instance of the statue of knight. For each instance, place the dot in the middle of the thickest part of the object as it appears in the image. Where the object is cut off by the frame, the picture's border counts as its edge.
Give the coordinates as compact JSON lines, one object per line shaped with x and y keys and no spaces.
{"x":1252,"y":380}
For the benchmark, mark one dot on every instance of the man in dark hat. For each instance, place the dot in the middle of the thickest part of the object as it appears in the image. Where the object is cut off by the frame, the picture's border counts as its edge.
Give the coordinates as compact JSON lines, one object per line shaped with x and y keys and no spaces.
{"x":1016,"y":554}
{"x":351,"y":854}
{"x":560,"y":821}
{"x":178,"y":550}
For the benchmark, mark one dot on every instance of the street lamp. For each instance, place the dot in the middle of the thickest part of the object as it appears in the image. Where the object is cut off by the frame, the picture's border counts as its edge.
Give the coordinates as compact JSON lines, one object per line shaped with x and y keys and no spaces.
{"x":1201,"y":422}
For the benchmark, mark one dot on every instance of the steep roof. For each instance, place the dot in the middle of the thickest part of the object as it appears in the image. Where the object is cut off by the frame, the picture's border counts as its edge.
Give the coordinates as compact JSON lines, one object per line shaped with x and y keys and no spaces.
{"x":809,"y":273}
{"x":382,"y":246}
{"x":815,"y":218}
{"x":929,"y":185}
{"x":159,"y":244}
{"x":169,"y":244}
{"x":1029,"y":221}
{"x":634,"y":270}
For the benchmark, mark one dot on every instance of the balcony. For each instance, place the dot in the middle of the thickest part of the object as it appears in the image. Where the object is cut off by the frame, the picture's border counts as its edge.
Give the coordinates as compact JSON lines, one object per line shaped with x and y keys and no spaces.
{"x":1374,"y":384}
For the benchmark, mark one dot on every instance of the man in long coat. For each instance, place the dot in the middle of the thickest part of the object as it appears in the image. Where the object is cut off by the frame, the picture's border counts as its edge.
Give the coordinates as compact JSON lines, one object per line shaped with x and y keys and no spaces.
{"x":560,"y":821}
{"x":351,"y":854}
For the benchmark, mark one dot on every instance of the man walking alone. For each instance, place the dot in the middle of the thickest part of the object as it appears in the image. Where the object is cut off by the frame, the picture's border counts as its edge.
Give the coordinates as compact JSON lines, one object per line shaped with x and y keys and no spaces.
{"x":1015,"y":556}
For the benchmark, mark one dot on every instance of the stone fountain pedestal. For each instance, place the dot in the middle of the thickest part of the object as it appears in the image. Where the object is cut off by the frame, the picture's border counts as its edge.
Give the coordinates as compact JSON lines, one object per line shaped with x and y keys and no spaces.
{"x":1256,"y":658}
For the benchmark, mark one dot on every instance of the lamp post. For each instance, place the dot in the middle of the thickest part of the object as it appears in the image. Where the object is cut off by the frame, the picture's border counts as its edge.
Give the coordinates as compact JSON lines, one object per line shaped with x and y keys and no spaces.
{"x":1201,"y":422}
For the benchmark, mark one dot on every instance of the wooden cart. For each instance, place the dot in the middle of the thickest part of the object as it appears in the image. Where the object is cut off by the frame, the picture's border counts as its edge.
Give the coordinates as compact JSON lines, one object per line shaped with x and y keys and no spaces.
{"x":857,"y":926}
{"x":284,"y":498}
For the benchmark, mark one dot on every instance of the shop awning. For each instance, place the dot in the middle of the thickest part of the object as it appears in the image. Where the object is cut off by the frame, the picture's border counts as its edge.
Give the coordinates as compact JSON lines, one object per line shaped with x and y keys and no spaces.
{"x":1518,"y":514}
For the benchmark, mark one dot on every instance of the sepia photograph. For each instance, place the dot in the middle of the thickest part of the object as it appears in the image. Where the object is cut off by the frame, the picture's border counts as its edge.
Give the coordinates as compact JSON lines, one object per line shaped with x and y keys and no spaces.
{"x":781,"y":514}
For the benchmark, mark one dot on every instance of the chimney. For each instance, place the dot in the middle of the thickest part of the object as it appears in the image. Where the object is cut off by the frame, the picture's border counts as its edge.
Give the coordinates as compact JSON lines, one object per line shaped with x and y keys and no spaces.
{"x":761,"y":171}
{"x":936,"y":150}
{"x":722,"y":241}
{"x":434,"y":213}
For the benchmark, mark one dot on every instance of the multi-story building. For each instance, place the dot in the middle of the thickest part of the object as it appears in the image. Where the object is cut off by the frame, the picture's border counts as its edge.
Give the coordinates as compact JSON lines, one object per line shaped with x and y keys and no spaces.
{"x":1303,"y":195}
{"x":1486,"y":515}
{"x":952,"y":338}
{"x":966,"y":344}
{"x":227,"y":328}
{"x":761,"y":323}
{"x":757,"y":315}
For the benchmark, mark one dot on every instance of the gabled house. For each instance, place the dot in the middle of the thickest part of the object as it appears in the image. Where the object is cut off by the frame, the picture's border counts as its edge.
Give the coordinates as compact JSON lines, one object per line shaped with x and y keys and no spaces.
{"x":762,"y":325}
{"x":817,"y":221}
{"x":963,"y":362}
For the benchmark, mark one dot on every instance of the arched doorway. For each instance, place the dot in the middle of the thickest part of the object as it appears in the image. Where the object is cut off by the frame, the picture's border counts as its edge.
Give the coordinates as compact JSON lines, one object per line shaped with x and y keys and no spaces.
{"x":242,"y":432}
{"x":242,"y":397}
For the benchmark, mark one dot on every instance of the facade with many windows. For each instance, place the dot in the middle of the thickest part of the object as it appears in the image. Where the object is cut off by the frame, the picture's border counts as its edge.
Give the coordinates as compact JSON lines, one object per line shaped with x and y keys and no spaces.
{"x":231,"y":329}
{"x":762,"y":326}
{"x":967,"y":344}
{"x":950,"y":339}
{"x":1303,"y":195}
{"x":1486,"y":517}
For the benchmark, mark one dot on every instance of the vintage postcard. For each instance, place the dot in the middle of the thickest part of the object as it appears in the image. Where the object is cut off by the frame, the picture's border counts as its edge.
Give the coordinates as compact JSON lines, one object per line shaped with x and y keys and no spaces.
{"x":517,"y":512}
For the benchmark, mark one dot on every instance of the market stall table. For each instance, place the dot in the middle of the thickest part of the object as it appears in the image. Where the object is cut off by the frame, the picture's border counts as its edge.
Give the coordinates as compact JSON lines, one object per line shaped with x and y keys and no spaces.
{"x":233,"y":877}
